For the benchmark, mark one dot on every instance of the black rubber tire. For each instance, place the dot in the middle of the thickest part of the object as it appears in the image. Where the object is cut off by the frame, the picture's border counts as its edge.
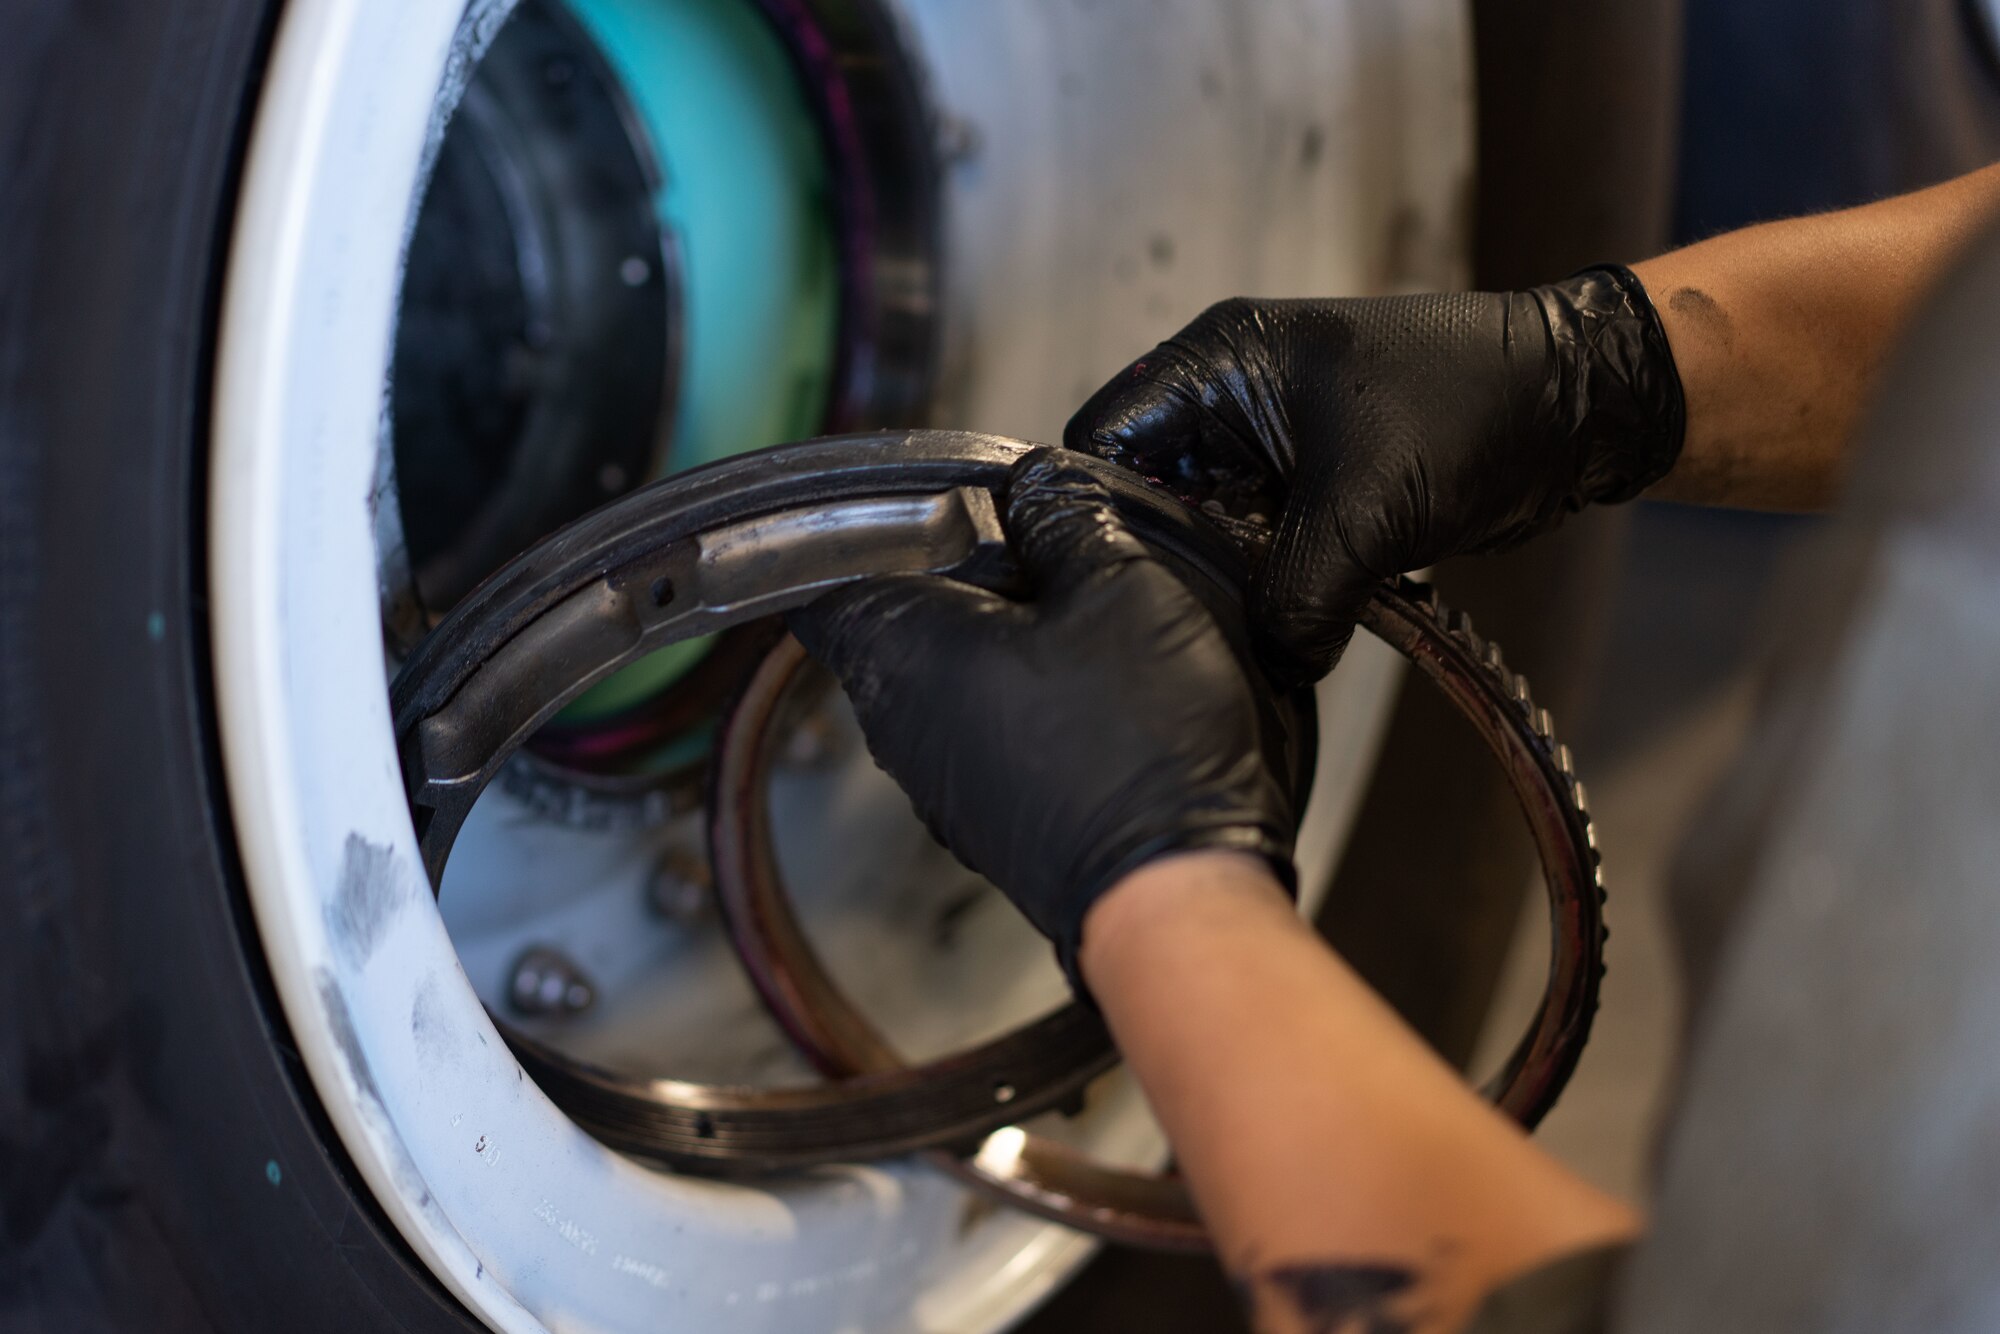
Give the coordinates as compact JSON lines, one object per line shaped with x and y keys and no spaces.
{"x":163,"y":1165}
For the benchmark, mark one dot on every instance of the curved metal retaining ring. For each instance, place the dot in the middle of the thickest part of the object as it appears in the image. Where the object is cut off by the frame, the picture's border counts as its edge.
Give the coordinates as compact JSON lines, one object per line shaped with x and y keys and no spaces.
{"x":717,"y":547}
{"x":710,"y":549}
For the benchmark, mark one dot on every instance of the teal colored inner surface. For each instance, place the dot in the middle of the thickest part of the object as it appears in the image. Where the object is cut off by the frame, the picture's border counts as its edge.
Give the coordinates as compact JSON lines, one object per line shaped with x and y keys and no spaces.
{"x":745,"y":199}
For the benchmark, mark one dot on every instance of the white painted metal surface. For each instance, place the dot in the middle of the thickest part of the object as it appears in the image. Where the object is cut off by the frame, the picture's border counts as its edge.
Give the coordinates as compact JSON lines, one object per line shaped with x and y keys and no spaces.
{"x":1123,"y":164}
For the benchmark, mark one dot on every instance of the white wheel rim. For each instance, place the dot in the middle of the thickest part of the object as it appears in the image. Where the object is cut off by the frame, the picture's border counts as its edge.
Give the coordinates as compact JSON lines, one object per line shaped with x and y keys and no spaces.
{"x":528,"y":1221}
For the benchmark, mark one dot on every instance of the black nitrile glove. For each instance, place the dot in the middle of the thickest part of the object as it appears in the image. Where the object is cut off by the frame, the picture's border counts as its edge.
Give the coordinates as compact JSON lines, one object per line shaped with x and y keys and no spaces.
{"x":1385,"y":434}
{"x":1058,"y":743}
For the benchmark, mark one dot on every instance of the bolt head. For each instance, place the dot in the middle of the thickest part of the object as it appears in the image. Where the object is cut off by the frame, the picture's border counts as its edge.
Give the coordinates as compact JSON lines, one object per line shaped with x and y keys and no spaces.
{"x":546,"y":983}
{"x":682,"y":888}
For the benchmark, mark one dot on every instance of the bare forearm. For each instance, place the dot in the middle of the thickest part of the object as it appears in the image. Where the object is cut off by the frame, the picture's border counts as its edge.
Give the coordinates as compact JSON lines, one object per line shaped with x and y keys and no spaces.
{"x":1779,"y":331}
{"x":1338,"y":1163}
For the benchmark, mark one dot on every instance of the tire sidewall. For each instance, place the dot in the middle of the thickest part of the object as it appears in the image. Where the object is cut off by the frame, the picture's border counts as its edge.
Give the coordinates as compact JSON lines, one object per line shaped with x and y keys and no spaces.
{"x":165,"y":1166}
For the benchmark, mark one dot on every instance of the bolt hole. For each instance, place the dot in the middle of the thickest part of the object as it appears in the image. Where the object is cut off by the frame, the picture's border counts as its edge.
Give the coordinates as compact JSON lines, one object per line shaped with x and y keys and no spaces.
{"x":663,"y":591}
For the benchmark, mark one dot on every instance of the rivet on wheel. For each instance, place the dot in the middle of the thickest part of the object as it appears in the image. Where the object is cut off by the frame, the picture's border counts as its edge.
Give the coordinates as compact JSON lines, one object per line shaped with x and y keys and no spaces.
{"x":682,"y":887}
{"x":547,"y":983}
{"x":812,"y":743}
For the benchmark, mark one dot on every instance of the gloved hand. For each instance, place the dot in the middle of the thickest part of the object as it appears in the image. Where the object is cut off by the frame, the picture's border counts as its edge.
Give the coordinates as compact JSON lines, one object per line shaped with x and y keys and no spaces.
{"x":1056,"y":744}
{"x":1385,"y":434}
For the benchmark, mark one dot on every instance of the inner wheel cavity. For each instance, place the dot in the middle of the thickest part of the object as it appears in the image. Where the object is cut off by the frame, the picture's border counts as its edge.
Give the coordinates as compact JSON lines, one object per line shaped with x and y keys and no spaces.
{"x":657,"y":233}
{"x":537,"y":349}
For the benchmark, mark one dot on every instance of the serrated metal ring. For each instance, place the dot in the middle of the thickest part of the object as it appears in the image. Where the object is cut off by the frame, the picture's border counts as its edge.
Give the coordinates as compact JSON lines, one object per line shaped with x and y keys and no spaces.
{"x":755,"y":535}
{"x":1048,"y":1178}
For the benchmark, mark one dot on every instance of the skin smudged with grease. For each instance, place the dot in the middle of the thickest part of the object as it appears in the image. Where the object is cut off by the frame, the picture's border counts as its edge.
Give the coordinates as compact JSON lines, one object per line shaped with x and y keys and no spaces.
{"x":1333,"y":1297}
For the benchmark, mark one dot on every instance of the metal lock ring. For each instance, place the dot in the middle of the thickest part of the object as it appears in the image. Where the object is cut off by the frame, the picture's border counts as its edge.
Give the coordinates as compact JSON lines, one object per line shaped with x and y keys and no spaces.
{"x":1044,"y":1176}
{"x":756,"y":535}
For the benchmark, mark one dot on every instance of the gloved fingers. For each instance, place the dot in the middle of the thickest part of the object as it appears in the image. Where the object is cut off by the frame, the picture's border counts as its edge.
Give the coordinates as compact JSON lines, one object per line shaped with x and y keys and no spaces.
{"x":1201,"y":414}
{"x":1062,"y":525}
{"x":1174,"y":416}
{"x":1149,"y":417}
{"x":867,"y":632}
{"x":1306,"y":602}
